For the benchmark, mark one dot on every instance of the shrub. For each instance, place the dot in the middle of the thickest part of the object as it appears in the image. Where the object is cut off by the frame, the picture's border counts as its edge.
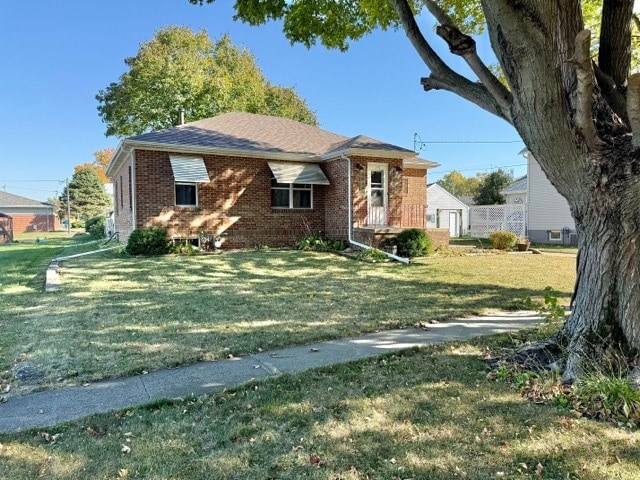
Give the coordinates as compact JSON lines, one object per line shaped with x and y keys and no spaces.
{"x":413,"y":242}
{"x":148,"y":241}
{"x":77,"y":224}
{"x":311,"y":242}
{"x":503,"y":240}
{"x":372,"y":254}
{"x":95,"y":227}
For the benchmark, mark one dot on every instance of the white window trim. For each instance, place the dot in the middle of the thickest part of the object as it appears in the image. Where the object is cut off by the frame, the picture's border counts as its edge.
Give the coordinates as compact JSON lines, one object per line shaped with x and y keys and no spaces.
{"x":291,"y":189}
{"x":175,"y":197}
{"x":554,"y":232}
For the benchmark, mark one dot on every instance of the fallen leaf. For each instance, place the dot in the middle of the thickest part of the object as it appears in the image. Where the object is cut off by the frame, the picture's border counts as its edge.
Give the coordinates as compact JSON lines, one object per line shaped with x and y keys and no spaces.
{"x":125,"y":448}
{"x":314,"y":349}
{"x":99,"y":432}
{"x":539,"y":470}
{"x":123,"y":473}
{"x":314,"y":459}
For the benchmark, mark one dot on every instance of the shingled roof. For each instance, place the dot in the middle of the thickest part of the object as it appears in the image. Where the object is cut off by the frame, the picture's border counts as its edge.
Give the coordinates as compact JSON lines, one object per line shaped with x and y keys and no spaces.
{"x":11,"y":200}
{"x":250,"y":134}
{"x":519,"y":185}
{"x":261,"y":133}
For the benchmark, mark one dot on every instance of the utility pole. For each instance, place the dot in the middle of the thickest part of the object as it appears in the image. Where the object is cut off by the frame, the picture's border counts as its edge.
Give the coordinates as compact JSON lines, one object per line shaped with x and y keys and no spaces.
{"x":68,"y":208}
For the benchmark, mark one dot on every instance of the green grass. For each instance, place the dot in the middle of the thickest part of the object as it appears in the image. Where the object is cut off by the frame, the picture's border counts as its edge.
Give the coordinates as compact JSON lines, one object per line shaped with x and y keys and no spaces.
{"x":422,"y":414}
{"x":118,"y":315}
{"x":486,"y":244}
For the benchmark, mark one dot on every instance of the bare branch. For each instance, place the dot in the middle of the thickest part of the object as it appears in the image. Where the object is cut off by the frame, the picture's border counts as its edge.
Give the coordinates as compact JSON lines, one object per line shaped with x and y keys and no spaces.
{"x":465,"y":46}
{"x":633,"y":107}
{"x":581,"y":60}
{"x":441,"y":73}
{"x":614,"y":56}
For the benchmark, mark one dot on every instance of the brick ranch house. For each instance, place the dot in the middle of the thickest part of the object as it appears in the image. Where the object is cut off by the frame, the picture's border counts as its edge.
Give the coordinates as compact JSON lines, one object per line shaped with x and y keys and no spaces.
{"x":28,"y":215}
{"x":261,"y":180}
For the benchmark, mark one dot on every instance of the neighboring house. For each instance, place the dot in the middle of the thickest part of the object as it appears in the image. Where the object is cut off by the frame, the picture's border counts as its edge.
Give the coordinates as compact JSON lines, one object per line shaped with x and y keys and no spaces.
{"x":446,"y":211}
{"x":261,"y":180}
{"x":28,"y":215}
{"x":548,"y":217}
{"x":516,"y":193}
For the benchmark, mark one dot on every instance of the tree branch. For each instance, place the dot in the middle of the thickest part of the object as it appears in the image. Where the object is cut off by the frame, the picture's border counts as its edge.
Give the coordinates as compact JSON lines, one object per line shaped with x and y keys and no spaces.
{"x":614,"y":97}
{"x":581,"y":60}
{"x":441,"y":74}
{"x":633,"y":107}
{"x":465,"y":46}
{"x":614,"y":56}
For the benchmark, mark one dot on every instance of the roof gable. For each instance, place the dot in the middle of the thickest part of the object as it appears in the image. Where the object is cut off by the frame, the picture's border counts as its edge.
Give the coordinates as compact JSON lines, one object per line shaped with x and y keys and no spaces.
{"x":519,"y":185}
{"x":443,"y":191}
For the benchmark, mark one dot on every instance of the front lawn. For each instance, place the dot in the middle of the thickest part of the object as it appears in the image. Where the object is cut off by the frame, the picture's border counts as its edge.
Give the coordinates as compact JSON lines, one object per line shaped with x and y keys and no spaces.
{"x":117,"y":315}
{"x":420,"y":414}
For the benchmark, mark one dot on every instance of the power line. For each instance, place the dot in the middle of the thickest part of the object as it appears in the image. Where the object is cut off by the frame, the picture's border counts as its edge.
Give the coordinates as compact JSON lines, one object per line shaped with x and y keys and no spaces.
{"x":486,"y":167}
{"x":472,"y":141}
{"x":30,"y":181}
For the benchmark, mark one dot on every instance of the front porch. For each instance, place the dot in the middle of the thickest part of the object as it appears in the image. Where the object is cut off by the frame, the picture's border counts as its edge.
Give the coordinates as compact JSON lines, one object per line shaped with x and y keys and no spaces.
{"x":375,"y":236}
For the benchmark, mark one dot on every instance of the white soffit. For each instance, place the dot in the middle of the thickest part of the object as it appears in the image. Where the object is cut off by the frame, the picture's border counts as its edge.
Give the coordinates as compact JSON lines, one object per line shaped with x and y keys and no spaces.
{"x":298,"y":173}
{"x":189,"y":169}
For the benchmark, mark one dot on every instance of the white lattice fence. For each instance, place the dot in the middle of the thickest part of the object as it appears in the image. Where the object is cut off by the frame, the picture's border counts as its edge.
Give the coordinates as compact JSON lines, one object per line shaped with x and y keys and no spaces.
{"x":486,"y":219}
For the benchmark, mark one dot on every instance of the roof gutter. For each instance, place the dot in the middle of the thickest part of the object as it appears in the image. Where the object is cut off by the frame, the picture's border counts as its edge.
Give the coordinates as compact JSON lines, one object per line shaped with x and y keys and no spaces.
{"x":349,"y":227}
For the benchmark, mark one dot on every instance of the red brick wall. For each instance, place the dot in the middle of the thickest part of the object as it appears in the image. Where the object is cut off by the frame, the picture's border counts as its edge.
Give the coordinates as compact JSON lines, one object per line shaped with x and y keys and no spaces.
{"x":439,"y":236}
{"x":122,"y":204}
{"x":336,"y":207}
{"x":25,"y":222}
{"x":237,"y":202}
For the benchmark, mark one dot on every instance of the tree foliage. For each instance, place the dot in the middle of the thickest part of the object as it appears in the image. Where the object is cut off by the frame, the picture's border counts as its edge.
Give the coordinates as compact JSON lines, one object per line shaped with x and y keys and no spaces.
{"x":490,"y":187}
{"x":87,"y":195}
{"x":180,"y":68}
{"x":458,"y":185}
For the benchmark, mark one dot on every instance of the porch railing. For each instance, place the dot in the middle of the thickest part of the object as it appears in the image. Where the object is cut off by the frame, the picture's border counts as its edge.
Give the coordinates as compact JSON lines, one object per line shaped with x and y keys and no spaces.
{"x":405,"y":216}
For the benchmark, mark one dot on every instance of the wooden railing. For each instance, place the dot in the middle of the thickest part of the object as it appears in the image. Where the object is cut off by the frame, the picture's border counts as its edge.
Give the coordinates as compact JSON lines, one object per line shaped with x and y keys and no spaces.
{"x":405,"y":217}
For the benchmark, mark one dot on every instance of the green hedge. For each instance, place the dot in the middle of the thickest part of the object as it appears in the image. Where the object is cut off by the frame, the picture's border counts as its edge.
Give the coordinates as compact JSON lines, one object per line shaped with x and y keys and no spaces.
{"x":148,"y":241}
{"x":413,"y":242}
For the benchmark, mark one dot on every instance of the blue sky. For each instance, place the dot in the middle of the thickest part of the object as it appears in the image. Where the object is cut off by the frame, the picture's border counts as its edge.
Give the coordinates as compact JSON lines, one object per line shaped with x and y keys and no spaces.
{"x":58,"y":55}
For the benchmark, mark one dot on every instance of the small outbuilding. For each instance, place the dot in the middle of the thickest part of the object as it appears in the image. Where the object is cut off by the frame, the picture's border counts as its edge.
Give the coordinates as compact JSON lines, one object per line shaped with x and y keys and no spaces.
{"x":6,"y":228}
{"x":446,"y":211}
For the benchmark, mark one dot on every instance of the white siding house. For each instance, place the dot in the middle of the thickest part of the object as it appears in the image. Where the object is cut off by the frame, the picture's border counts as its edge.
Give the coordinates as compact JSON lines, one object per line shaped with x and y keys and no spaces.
{"x":548,"y":215}
{"x":446,"y":211}
{"x":516,"y":193}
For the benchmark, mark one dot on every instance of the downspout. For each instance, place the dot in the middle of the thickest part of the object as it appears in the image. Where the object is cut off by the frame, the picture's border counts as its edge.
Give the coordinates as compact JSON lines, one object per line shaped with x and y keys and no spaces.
{"x":349,"y":208}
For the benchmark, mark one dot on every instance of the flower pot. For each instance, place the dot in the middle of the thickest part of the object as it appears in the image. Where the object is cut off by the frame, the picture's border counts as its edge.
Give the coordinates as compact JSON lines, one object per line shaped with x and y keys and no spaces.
{"x":523,"y":246}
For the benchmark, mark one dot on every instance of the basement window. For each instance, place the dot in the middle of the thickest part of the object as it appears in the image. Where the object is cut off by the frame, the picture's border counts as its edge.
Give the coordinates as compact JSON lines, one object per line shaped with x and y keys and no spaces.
{"x":554,"y":235}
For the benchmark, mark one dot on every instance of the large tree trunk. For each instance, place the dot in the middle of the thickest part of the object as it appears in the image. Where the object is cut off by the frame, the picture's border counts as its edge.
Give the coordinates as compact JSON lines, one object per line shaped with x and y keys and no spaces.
{"x":586,"y":151}
{"x":603,"y":330}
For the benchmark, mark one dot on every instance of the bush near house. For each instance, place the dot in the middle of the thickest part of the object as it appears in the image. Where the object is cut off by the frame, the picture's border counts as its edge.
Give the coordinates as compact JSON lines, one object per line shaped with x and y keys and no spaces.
{"x":503,"y":240}
{"x":413,"y":242}
{"x":95,"y":227}
{"x":148,"y":241}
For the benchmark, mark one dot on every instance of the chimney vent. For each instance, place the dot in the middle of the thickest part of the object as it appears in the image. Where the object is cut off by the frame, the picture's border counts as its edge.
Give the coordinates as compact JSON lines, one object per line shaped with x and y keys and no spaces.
{"x":181,"y":116}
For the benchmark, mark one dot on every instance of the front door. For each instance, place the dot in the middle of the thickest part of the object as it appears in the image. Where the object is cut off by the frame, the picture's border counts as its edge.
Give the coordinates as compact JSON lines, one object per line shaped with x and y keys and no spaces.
{"x":453,"y":224}
{"x":377,"y":189}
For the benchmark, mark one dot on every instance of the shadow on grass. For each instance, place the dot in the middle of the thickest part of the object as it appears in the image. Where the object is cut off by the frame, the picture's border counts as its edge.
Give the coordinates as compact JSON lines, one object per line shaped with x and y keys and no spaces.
{"x":117,"y":315}
{"x":418,"y":414}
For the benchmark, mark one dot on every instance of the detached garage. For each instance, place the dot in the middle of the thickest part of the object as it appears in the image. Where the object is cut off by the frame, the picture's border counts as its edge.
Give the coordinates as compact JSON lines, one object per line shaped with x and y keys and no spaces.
{"x":446,"y":211}
{"x":28,"y":215}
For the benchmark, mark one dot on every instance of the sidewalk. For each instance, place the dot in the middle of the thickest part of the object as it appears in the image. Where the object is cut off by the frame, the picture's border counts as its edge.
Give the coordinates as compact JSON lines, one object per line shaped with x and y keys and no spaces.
{"x":47,"y":408}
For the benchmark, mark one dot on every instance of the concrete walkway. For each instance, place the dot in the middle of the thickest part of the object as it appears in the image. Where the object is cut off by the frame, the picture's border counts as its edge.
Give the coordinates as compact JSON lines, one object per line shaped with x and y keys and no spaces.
{"x":48,"y":408}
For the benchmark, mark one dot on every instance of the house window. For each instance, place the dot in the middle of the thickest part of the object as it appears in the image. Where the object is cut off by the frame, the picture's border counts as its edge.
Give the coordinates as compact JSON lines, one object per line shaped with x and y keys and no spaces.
{"x":431,"y":218}
{"x":291,"y":195}
{"x":115,"y":196}
{"x":554,"y":235}
{"x":405,"y":186}
{"x":187,"y":194}
{"x":130,"y":190}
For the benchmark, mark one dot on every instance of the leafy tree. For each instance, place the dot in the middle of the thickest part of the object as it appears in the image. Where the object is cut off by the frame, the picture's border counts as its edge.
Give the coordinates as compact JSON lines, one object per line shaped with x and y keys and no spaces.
{"x":103,"y":157}
{"x":87,"y":195}
{"x":182,"y":69}
{"x":574,"y":104}
{"x":489,"y":190}
{"x":457,"y":184}
{"x":96,"y":168}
